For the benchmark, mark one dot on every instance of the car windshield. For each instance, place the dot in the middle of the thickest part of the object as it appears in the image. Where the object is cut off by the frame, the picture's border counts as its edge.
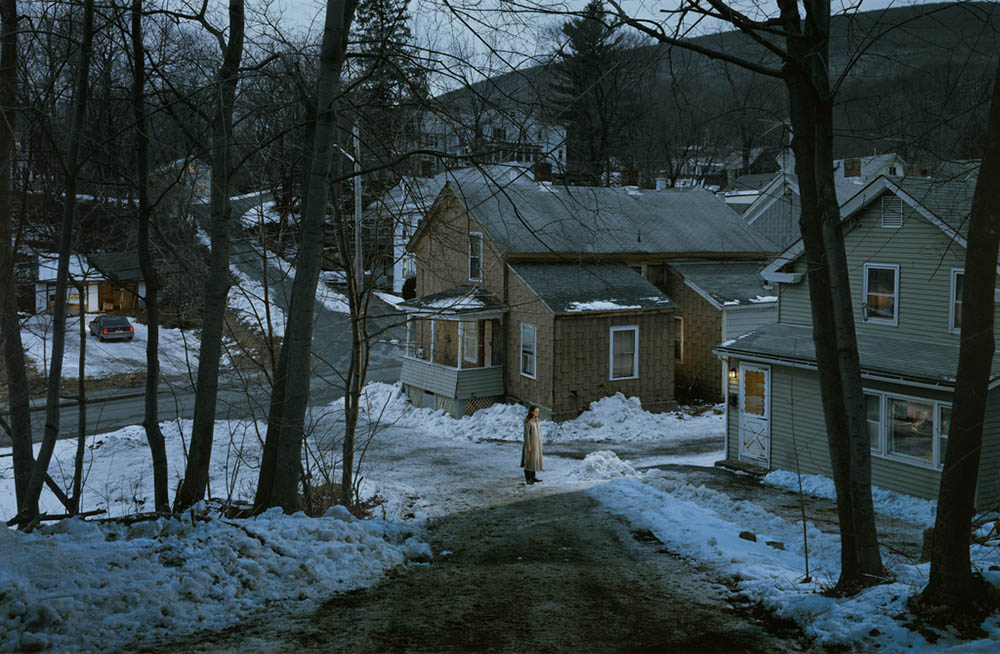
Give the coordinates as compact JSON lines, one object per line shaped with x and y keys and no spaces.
{"x":116,"y":321}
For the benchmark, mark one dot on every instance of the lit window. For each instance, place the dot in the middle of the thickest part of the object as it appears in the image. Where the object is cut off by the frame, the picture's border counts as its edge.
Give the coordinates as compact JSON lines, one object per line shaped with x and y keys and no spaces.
{"x":528,"y":349}
{"x":624,"y":352}
{"x":908,"y":429}
{"x":955,"y":307}
{"x":911,"y":429}
{"x":475,"y":256}
{"x":881,"y":294}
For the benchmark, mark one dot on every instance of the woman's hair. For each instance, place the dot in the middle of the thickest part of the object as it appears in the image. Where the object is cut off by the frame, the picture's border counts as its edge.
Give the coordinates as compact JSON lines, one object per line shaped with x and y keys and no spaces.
{"x":531,"y":408}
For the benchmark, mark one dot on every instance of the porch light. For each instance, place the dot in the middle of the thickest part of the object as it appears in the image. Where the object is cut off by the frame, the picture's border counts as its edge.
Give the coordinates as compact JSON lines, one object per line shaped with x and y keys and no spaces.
{"x":733,"y":374}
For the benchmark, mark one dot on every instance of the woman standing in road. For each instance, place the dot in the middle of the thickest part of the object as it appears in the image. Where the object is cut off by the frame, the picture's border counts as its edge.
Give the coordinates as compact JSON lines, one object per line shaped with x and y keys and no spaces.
{"x":531,"y":453}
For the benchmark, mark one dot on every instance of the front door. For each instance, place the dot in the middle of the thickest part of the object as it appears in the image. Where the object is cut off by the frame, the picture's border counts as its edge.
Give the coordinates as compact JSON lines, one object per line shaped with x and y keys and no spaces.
{"x":755,"y":414}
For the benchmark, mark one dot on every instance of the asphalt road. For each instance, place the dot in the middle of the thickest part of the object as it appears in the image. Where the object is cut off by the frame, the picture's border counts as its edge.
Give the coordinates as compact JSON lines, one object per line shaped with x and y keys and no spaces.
{"x":109,"y":410}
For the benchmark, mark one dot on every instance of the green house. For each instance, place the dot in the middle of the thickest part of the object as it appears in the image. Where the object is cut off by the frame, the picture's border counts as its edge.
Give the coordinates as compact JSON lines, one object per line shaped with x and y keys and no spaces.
{"x":905,"y":244}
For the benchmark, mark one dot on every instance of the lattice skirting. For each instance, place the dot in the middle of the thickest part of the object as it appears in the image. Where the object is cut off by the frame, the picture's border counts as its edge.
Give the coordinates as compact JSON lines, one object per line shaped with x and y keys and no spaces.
{"x":477,"y":403}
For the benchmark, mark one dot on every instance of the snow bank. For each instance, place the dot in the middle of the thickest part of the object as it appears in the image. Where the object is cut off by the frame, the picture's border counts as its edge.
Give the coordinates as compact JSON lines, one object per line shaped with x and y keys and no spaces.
{"x":603,"y":464}
{"x":246,"y":299}
{"x":79,"y":586}
{"x":912,"y":509}
{"x":768,"y":564}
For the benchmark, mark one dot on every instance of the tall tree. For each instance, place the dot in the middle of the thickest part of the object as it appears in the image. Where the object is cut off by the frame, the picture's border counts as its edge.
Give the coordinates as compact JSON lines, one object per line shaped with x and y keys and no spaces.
{"x":151,"y":420}
{"x":39,"y":471}
{"x":10,"y":328}
{"x":217,"y":285}
{"x":952,"y":584}
{"x":281,"y":465}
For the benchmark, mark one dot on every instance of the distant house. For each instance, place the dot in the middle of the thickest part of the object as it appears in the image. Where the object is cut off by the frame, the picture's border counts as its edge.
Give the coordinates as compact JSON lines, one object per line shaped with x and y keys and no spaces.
{"x":549,"y":295}
{"x":905,"y":240}
{"x":776,"y":209}
{"x":112,"y":282}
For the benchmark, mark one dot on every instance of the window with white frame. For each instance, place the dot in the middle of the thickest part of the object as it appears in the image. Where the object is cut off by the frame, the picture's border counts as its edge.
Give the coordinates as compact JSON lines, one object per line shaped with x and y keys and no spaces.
{"x":528,"y":345}
{"x":624,"y":355}
{"x":955,"y":305}
{"x":881,"y":293}
{"x":892,"y":211}
{"x":470,"y":341}
{"x":908,"y":428}
{"x":475,"y":256}
{"x":678,"y":339}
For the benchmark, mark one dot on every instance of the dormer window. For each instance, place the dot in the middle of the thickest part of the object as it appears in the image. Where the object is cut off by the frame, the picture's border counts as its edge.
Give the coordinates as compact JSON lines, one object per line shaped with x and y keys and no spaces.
{"x":475,"y":256}
{"x":893,"y":171}
{"x":881,"y":298}
{"x":892,"y":212}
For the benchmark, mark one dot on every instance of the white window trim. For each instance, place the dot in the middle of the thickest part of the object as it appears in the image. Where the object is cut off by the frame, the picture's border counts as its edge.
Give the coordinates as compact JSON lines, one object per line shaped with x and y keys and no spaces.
{"x":679,"y":359}
{"x":480,"y":235}
{"x":470,"y":331}
{"x":955,"y":272}
{"x":882,"y":451}
{"x":895,"y":294}
{"x":534,"y":351}
{"x":635,"y":352}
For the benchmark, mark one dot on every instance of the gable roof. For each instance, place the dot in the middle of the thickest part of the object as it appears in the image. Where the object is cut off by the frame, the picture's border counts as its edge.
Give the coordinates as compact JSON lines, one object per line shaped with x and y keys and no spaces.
{"x":727,"y":283}
{"x":845,"y":189}
{"x":116,"y":266}
{"x":540,"y":218}
{"x":571,"y":288}
{"x":944,"y":203}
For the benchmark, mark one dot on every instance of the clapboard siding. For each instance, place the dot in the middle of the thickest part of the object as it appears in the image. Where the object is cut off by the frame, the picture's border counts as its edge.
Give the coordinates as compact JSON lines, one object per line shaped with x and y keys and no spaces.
{"x":440,"y":380}
{"x":740,"y":321}
{"x":479,"y":382}
{"x":925,"y":256}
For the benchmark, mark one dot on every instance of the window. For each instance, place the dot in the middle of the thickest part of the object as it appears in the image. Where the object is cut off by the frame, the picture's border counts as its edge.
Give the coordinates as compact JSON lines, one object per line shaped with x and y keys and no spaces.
{"x":881,"y":294}
{"x":528,"y":349}
{"x":679,"y":340}
{"x":955,"y":307}
{"x":470,"y":341}
{"x":475,"y":256}
{"x":893,"y":171}
{"x":908,"y":428}
{"x":624,"y":352}
{"x":873,"y":410}
{"x":892,"y":212}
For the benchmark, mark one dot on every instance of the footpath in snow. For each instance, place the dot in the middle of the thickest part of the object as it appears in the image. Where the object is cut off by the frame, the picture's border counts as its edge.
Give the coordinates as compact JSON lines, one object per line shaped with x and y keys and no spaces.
{"x":86,"y":586}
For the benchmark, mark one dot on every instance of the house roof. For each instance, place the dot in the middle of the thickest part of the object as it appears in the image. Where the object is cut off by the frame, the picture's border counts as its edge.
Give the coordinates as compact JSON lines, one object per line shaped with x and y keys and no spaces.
{"x":883,"y":357}
{"x":48,"y":267}
{"x":944,"y":203}
{"x":541,"y":218}
{"x":416,"y":194}
{"x":462,"y":299}
{"x":751,"y":182}
{"x":574,"y":288}
{"x":845,"y":189}
{"x":727,"y":283}
{"x":116,"y":266}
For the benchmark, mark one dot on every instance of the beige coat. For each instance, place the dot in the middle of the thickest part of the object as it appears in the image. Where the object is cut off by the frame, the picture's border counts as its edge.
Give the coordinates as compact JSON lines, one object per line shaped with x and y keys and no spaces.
{"x":531,"y":452}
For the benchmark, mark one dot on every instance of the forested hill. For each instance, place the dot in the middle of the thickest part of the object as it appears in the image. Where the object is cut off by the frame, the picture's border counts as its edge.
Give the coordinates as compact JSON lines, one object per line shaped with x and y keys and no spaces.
{"x":915,"y":79}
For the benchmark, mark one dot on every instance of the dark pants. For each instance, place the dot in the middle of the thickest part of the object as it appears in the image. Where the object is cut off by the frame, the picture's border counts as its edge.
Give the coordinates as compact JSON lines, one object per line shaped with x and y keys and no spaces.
{"x":529,"y":476}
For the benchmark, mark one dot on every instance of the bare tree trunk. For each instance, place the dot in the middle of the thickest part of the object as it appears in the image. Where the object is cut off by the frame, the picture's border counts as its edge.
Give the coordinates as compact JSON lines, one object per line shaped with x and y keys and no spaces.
{"x":217,"y":285}
{"x":811,"y":112}
{"x":151,"y":419}
{"x":39,"y":470}
{"x":952,"y":583}
{"x":81,"y":397}
{"x":10,"y":328}
{"x":281,"y":464}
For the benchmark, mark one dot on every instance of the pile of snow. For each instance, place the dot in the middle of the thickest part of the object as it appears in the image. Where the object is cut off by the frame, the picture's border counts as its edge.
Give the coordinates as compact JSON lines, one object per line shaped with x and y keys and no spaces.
{"x":82,"y":586}
{"x":247,"y":300}
{"x":706,"y":525}
{"x":603,"y":464}
{"x":178,"y":349}
{"x":622,"y":419}
{"x":905,"y":507}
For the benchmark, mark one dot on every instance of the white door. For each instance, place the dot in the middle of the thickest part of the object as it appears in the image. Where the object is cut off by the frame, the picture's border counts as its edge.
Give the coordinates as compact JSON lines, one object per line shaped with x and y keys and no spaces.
{"x":755,"y":414}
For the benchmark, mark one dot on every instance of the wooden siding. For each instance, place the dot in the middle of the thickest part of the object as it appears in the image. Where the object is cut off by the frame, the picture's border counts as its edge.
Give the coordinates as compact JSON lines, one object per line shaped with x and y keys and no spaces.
{"x":451,"y":382}
{"x":925,"y":255}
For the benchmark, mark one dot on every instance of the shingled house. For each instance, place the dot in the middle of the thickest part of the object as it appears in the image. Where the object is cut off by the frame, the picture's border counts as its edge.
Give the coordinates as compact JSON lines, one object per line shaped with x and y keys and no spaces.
{"x":553,"y":295}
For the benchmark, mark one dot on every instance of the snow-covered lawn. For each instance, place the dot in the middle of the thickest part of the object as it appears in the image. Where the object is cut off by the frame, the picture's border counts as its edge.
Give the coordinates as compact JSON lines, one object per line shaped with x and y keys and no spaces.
{"x":97,"y":587}
{"x":178,"y":349}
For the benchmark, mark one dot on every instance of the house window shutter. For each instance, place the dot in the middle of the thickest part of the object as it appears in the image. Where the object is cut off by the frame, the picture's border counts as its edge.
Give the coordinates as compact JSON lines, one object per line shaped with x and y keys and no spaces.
{"x":892,"y":212}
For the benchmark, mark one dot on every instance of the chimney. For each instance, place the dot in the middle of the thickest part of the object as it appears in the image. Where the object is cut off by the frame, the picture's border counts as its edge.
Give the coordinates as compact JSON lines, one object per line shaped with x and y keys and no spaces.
{"x":630,"y":177}
{"x":426,"y":168}
{"x":661,"y":182}
{"x":542,"y":171}
{"x":852,"y":168}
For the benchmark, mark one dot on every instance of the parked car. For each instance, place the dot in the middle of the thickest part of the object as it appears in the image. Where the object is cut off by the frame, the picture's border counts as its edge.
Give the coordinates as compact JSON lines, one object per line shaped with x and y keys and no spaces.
{"x":112,"y":328}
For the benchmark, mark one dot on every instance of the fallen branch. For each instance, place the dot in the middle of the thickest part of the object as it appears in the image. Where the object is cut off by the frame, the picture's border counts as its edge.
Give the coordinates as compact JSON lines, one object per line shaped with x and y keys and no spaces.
{"x":50,"y":517}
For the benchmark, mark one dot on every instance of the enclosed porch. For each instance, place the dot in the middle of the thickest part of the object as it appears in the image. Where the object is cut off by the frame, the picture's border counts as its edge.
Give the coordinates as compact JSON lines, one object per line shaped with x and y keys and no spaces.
{"x":453,"y":357}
